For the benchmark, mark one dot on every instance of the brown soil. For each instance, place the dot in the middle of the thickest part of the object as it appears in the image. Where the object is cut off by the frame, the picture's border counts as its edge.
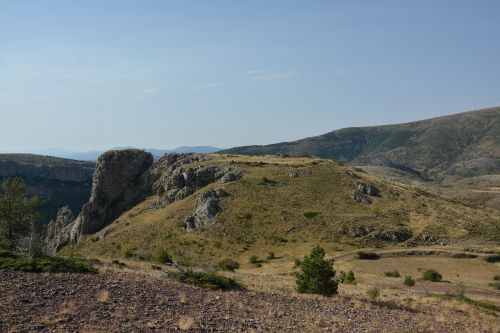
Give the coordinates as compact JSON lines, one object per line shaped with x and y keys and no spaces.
{"x":124,"y":302}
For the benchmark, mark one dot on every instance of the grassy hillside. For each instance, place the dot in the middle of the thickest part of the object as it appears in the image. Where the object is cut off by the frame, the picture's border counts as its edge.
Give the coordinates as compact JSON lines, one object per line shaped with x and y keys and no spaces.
{"x":452,"y":143}
{"x":269,"y":211}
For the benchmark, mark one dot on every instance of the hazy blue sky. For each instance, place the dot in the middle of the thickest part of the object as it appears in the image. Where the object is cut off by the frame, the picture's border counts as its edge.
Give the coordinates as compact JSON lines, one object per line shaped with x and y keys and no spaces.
{"x":98,"y":74}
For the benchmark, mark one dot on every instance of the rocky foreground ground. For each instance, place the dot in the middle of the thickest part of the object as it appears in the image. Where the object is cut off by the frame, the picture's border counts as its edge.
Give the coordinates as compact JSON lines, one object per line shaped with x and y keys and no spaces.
{"x":124,"y":302}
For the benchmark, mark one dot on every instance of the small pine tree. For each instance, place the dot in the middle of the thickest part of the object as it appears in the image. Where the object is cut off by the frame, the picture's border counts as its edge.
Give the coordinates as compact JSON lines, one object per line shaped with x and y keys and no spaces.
{"x":18,"y":213}
{"x":408,"y":281}
{"x":317,"y":274}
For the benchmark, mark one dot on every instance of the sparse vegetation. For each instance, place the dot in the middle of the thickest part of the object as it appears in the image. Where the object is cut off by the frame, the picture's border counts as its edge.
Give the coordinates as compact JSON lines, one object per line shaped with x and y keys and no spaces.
{"x":492,"y":258}
{"x":373,"y":293}
{"x":163,"y":257}
{"x":394,"y":274}
{"x":432,"y":275}
{"x":409,"y":281}
{"x":228,"y":265}
{"x":317,"y":276}
{"x":464,"y":255}
{"x":311,"y":215}
{"x":347,"y":277}
{"x":254,"y":259}
{"x":207,"y":280}
{"x":368,"y":255}
{"x":15,"y":262}
{"x":271,"y":256}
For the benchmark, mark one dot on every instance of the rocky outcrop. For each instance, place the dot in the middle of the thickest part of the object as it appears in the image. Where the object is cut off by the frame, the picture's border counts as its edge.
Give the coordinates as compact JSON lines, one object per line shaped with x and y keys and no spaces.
{"x":173,"y":180}
{"x":369,"y":189}
{"x":205,"y":209}
{"x":360,"y":197}
{"x":124,"y":178}
{"x":58,"y":231}
{"x":397,"y":236}
{"x":372,"y":233}
{"x":121,"y":180}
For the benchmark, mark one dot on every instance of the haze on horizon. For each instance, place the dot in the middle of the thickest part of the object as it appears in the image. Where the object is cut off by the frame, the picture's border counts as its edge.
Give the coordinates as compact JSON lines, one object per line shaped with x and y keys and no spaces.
{"x":160,"y":74}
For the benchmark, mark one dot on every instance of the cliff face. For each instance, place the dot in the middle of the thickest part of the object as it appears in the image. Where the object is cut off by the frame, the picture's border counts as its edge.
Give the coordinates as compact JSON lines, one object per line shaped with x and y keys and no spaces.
{"x":59,"y":182}
{"x":121,"y":180}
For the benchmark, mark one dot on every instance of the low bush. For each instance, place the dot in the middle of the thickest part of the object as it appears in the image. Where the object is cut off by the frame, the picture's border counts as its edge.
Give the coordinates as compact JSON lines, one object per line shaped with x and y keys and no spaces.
{"x":228,"y":265}
{"x":496,"y":278}
{"x":409,"y":281}
{"x":495,"y":285}
{"x":271,"y":256}
{"x":254,"y":260}
{"x":368,"y":255}
{"x":15,"y":262}
{"x":347,"y":277}
{"x":492,"y":258}
{"x":432,"y":275}
{"x":208,"y":280}
{"x":464,"y":255}
{"x":311,"y":215}
{"x":163,"y":257}
{"x":394,"y":273}
{"x":118,"y":264}
{"x":373,"y":293}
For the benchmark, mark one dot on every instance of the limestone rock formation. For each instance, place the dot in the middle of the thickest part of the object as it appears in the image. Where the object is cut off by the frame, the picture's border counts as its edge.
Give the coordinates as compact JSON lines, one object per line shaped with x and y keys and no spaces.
{"x":173,"y":181}
{"x":361,"y":197}
{"x":205,"y":210}
{"x":121,"y":180}
{"x":58,"y":231}
{"x":369,"y":189}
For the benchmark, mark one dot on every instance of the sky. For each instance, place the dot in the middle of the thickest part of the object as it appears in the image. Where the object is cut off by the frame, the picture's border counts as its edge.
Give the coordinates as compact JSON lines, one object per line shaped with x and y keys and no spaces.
{"x":97,"y":74}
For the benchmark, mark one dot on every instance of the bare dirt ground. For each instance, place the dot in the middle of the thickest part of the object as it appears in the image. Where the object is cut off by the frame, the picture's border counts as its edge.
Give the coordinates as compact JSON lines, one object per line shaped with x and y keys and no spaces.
{"x":124,"y":302}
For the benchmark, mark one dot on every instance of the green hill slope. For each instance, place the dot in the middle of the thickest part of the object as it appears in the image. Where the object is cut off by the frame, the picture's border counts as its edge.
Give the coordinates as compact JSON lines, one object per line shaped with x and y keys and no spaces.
{"x":286,"y":205}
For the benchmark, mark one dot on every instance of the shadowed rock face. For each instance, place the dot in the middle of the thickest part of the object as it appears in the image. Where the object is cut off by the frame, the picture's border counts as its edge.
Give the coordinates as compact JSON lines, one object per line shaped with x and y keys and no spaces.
{"x":58,"y":182}
{"x":121,"y":180}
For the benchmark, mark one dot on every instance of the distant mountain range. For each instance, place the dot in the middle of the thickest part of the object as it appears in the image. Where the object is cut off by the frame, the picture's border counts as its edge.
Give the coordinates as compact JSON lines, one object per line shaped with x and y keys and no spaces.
{"x":462,"y":145}
{"x":94,"y":154}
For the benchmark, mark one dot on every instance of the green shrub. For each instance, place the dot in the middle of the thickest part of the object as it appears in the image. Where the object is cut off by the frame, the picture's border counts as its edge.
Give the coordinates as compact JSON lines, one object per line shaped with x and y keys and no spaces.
{"x":45,"y":264}
{"x":271,"y":256}
{"x":373,"y":293}
{"x":464,"y":255}
{"x":254,"y":259}
{"x":317,"y":275}
{"x":118,"y":264}
{"x":208,"y":280}
{"x":409,"y":281}
{"x":394,"y":273}
{"x":495,"y":285}
{"x":228,"y":265}
{"x":311,"y":215}
{"x":368,"y":255}
{"x":432,"y":275}
{"x":163,"y":257}
{"x":348,"y":277}
{"x":297,"y":262}
{"x":493,"y":258}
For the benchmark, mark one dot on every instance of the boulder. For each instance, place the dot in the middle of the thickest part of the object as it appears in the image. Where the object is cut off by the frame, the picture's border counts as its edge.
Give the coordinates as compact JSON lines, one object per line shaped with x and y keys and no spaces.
{"x":369,"y":189}
{"x":360,"y":197}
{"x":398,"y":236}
{"x":205,"y":210}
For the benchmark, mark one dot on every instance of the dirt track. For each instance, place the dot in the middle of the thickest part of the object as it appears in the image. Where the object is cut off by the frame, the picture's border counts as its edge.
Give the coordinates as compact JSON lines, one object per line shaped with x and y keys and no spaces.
{"x":119,"y":302}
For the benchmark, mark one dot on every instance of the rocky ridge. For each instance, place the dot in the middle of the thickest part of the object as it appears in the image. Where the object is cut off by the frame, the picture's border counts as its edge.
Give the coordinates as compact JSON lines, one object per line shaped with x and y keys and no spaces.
{"x":123,"y":178}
